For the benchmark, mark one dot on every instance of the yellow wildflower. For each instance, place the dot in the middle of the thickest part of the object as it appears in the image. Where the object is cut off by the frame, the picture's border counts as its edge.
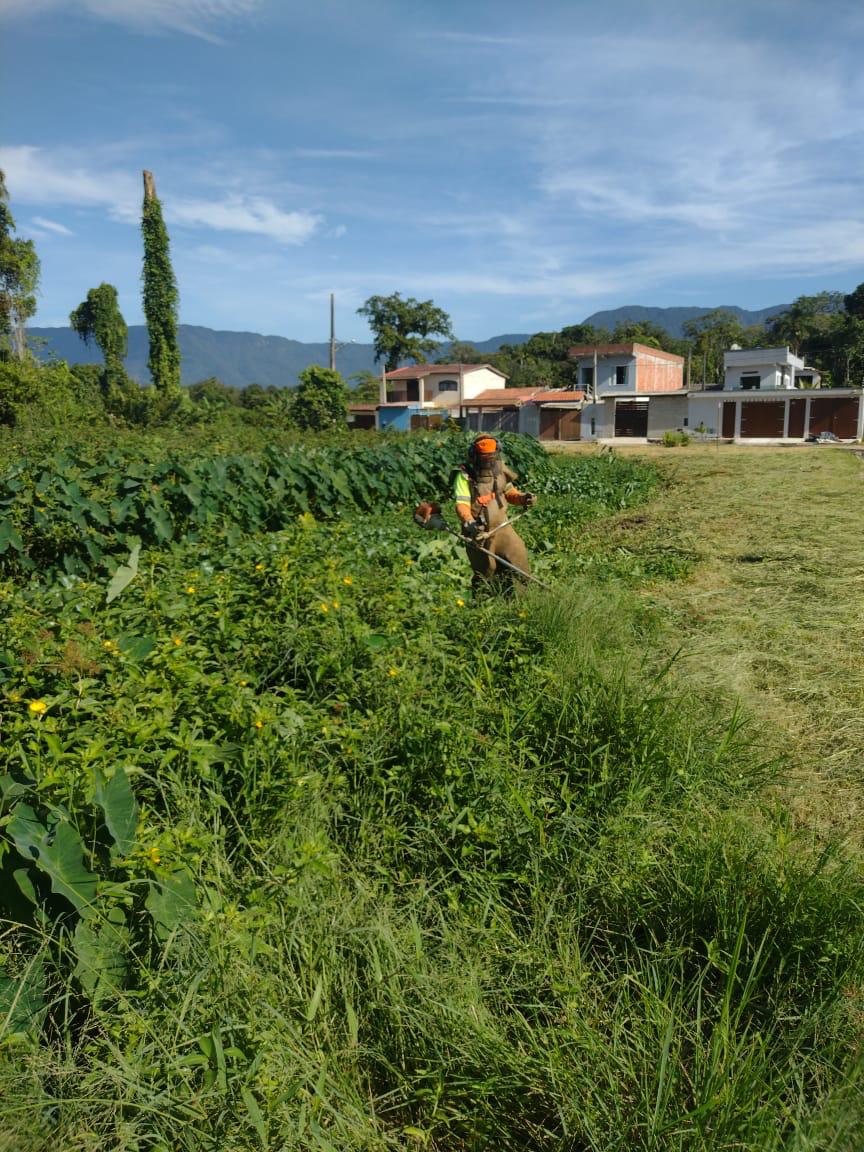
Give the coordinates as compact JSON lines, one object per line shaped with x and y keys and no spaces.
{"x":347,"y":580}
{"x":259,"y":567}
{"x":108,"y":645}
{"x":155,"y":857}
{"x":392,"y":671}
{"x":177,"y":641}
{"x":336,"y":605}
{"x":259,"y":723}
{"x":37,"y":707}
{"x":191,"y":589}
{"x":243,"y":683}
{"x":460,"y":603}
{"x":324,"y":607}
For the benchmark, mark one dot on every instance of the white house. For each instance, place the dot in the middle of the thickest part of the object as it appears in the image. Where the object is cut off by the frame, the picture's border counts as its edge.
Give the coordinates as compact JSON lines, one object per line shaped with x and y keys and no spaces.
{"x":765,"y":370}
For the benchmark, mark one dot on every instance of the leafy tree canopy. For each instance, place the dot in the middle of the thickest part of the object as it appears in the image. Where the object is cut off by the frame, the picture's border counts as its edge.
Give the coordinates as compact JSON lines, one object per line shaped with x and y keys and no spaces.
{"x":403,"y":328}
{"x":320,"y":400}
{"x":161,"y":299}
{"x":19,"y":281}
{"x":98,"y":319}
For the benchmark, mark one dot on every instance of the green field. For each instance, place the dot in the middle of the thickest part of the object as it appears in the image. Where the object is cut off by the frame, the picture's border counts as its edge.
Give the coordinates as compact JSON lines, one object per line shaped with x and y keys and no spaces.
{"x":303,"y":847}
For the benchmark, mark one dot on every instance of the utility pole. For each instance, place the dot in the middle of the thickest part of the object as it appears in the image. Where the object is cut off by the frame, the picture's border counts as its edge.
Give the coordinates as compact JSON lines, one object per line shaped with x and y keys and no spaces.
{"x":332,"y":332}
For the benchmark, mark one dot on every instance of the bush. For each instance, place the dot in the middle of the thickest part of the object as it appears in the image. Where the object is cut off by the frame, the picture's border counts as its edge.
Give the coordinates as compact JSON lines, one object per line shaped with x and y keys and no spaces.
{"x":676,"y":439}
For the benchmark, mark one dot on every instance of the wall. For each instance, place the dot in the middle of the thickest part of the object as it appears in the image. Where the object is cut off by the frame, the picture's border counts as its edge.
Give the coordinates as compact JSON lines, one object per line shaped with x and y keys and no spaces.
{"x":396,"y":419}
{"x":656,"y":374}
{"x":667,"y":414}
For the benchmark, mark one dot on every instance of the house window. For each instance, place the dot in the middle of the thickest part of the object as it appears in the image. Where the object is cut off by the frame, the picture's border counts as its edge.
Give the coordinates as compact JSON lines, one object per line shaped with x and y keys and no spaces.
{"x":621,"y":376}
{"x":588,"y":377}
{"x":448,"y":385}
{"x":686,"y":421}
{"x":750,"y":380}
{"x":593,"y":425}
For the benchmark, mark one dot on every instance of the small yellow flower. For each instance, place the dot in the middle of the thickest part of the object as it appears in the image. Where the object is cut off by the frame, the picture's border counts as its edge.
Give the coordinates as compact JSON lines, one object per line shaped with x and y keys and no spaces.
{"x":155,"y":857}
{"x":177,"y":641}
{"x":460,"y":603}
{"x":347,"y":580}
{"x":15,"y":697}
{"x":108,"y":645}
{"x":243,"y":683}
{"x":190,"y":588}
{"x":259,"y":567}
{"x":37,"y":707}
{"x":336,"y":605}
{"x":324,"y":607}
{"x":392,"y":671}
{"x":522,"y":615}
{"x":259,"y":723}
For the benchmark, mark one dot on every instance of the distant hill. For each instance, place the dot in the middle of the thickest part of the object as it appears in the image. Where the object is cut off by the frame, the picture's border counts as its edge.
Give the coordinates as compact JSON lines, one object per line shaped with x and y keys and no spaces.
{"x":241,"y":358}
{"x":673,"y":319}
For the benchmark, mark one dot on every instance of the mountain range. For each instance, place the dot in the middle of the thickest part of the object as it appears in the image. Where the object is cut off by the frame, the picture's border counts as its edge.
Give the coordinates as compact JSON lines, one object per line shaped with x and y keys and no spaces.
{"x":241,"y":358}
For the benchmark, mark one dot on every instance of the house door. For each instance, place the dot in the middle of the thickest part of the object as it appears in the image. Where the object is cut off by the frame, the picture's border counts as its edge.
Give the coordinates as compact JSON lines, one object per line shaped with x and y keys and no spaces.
{"x":728,"y":429}
{"x":631,"y":418}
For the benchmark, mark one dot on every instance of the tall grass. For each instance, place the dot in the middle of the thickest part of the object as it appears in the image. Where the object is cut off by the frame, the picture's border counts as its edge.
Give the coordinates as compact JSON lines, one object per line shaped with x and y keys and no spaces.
{"x":524,"y":894}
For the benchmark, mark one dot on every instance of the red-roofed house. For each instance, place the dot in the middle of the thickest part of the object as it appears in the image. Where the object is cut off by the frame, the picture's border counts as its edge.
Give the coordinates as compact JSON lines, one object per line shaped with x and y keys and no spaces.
{"x":425,"y":394}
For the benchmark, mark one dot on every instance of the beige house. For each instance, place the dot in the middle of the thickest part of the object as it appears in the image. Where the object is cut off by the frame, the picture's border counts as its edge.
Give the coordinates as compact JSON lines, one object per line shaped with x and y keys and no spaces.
{"x":423,"y":395}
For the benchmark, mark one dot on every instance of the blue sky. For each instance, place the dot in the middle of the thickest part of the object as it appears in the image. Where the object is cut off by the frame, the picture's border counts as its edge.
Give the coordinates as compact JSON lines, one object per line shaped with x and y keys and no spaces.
{"x":522,"y":165}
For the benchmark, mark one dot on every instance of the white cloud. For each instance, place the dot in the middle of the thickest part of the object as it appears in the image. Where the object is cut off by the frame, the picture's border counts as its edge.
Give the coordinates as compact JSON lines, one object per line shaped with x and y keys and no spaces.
{"x":37,"y":177}
{"x":52,"y":226}
{"x":194,"y":17}
{"x":246,"y":214}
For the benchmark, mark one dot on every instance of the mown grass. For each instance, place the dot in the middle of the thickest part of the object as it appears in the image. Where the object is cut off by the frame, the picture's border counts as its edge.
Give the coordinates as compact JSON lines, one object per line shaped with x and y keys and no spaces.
{"x":488,"y":875}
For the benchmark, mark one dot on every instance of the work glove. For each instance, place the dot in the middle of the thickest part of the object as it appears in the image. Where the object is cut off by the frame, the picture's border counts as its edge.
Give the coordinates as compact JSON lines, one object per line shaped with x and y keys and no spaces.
{"x":473,"y":529}
{"x":528,"y":500}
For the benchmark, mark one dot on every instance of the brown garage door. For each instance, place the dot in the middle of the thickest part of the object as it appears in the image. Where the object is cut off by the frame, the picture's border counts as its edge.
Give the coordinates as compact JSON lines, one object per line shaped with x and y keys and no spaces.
{"x":838,"y":415}
{"x":797,"y":408}
{"x":762,"y":420}
{"x":631,"y":418}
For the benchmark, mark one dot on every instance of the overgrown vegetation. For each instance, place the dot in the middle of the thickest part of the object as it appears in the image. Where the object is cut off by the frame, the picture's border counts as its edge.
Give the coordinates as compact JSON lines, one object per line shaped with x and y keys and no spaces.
{"x":329,"y":854}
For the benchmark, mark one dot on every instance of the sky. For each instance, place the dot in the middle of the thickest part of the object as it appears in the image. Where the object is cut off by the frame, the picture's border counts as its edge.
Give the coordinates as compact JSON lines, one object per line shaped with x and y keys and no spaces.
{"x":521,"y":165}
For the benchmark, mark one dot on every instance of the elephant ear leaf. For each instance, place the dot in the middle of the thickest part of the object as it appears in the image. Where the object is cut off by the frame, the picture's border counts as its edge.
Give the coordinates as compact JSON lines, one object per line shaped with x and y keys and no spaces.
{"x":58,"y":853}
{"x":101,"y":950}
{"x":124,"y":575}
{"x":171,"y":902}
{"x":119,"y":808}
{"x":22,"y":999}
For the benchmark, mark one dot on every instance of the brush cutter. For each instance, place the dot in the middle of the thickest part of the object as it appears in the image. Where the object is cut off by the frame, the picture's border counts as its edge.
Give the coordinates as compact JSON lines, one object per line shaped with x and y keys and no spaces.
{"x":436,"y":522}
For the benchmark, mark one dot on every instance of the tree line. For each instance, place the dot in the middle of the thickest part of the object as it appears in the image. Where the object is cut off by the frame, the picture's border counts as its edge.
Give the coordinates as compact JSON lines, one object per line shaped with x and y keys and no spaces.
{"x":826,"y":329}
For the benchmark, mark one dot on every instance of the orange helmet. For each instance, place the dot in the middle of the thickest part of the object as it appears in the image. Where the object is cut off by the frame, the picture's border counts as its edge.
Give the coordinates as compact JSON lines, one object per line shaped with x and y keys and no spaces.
{"x":484,"y":449}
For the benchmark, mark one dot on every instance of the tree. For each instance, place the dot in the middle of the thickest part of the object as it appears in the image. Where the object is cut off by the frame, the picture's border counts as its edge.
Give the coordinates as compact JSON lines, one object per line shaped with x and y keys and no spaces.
{"x":403,"y":328}
{"x":806,"y":317}
{"x":98,"y":320}
{"x":321,"y":399}
{"x":161,"y":299}
{"x":367,"y":387}
{"x":711,"y":335}
{"x":19,"y":280}
{"x":461,"y":352}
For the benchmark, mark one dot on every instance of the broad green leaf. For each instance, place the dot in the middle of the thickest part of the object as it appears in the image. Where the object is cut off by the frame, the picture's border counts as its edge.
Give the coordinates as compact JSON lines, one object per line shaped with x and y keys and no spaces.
{"x":22,"y":1000}
{"x":101,"y":946}
{"x":124,"y":575}
{"x":58,"y":853}
{"x":171,"y":902}
{"x":136,"y":648}
{"x":9,"y":537}
{"x":119,"y":808}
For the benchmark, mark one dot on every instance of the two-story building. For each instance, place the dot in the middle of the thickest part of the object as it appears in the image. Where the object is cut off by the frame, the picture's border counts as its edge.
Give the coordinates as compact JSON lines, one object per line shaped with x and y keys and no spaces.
{"x":423,"y":395}
{"x":770,"y":394}
{"x":631,"y":389}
